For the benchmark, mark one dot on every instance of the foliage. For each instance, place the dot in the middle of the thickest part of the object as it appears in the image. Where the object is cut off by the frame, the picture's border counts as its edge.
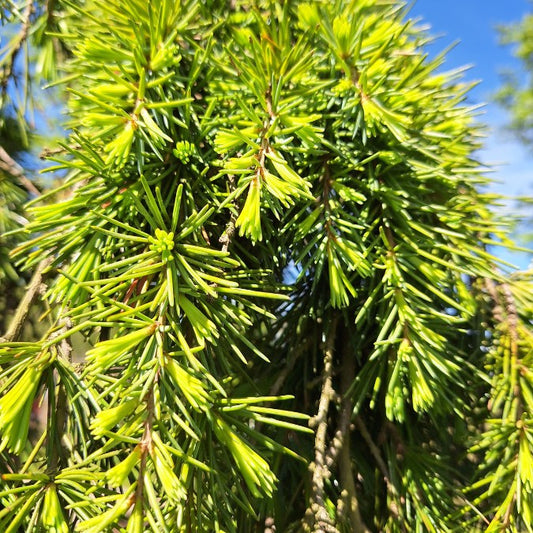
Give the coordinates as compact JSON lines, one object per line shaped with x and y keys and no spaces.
{"x":13,"y":139}
{"x":266,"y":198}
{"x":12,"y":198}
{"x":516,"y":93}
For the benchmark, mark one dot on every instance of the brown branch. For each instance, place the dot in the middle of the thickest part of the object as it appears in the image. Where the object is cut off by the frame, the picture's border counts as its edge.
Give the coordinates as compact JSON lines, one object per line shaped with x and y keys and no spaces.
{"x":284,"y":373}
{"x":376,"y":454}
{"x":33,"y":288}
{"x":268,"y":101}
{"x":145,"y":447}
{"x":9,"y":165}
{"x":317,"y":514}
{"x":59,"y":450}
{"x":512,"y":317}
{"x":504,"y":312}
{"x":497,"y":310}
{"x":65,"y":347}
{"x":326,"y":177}
{"x":374,"y":450}
{"x":225,"y":238}
{"x":49,"y":152}
{"x":49,"y":7}
{"x":348,"y":501}
{"x":340,"y":450}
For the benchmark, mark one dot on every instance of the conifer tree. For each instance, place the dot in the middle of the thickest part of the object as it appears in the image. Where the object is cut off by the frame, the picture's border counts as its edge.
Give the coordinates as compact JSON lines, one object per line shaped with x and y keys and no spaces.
{"x":269,"y":299}
{"x":516,"y":93}
{"x":516,"y":97}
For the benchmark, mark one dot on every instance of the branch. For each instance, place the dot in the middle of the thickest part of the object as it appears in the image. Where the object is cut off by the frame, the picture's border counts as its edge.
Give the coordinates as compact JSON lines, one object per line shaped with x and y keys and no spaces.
{"x":512,"y":317}
{"x":497,"y":311}
{"x":23,"y":309}
{"x":376,"y":454}
{"x":145,"y":447}
{"x":225,"y":238}
{"x":9,"y":165}
{"x":284,"y":373}
{"x":270,"y":525}
{"x":56,"y":434}
{"x":293,"y":356}
{"x":348,"y":488}
{"x":22,"y":37}
{"x":505,"y":313}
{"x":317,"y":513}
{"x":374,"y":450}
{"x":49,"y":152}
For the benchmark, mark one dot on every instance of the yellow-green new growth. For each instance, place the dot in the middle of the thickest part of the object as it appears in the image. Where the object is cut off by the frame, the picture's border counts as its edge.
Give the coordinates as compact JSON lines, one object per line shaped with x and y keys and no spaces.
{"x":117,"y":475}
{"x":108,"y":418}
{"x":101,"y":522}
{"x":52,"y":517}
{"x":191,"y":387}
{"x":163,"y":243}
{"x":255,"y":470}
{"x":109,"y":352}
{"x":16,"y":406}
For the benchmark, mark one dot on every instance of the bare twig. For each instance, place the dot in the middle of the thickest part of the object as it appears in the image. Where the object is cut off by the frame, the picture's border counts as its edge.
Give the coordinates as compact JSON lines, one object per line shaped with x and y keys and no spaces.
{"x":9,"y":165}
{"x":7,"y":71}
{"x":317,"y":513}
{"x":225,"y":238}
{"x":505,"y":313}
{"x":376,"y":454}
{"x":374,"y":450}
{"x":512,"y":317}
{"x":49,"y":152}
{"x":34,"y":287}
{"x":284,"y":373}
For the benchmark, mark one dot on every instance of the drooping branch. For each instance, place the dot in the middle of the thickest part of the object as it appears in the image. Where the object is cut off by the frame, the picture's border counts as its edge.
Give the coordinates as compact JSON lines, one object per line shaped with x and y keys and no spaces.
{"x":376,"y":454}
{"x":374,"y":450}
{"x":285,"y":372}
{"x":56,"y":435}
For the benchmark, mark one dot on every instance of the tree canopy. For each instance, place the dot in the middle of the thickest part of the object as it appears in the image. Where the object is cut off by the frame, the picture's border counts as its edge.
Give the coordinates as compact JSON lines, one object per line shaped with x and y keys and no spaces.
{"x":516,"y":96}
{"x":516,"y":93}
{"x":268,"y":302}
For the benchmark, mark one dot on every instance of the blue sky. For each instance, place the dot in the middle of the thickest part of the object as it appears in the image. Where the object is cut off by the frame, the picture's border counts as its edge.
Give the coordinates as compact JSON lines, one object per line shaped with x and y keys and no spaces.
{"x":473,"y":23}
